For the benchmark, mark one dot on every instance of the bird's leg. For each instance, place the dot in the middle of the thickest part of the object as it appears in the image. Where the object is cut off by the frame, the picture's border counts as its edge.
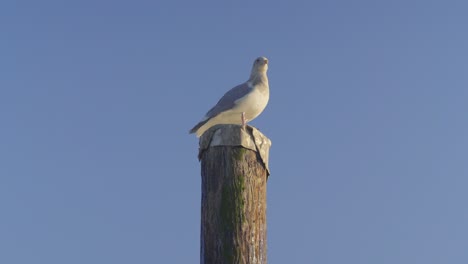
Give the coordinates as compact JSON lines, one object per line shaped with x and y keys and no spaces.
{"x":243,"y":120}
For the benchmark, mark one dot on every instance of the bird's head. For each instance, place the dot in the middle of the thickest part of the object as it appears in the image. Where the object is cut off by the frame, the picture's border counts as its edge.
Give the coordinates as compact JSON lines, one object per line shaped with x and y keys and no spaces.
{"x":260,"y":65}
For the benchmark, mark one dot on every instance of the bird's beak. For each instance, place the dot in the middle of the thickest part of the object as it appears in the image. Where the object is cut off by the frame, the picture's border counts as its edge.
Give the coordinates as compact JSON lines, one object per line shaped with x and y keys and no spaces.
{"x":266,"y":61}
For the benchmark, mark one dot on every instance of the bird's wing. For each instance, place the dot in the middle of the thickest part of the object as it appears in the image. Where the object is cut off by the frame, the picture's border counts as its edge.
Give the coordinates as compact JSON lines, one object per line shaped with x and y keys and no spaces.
{"x":229,"y":100}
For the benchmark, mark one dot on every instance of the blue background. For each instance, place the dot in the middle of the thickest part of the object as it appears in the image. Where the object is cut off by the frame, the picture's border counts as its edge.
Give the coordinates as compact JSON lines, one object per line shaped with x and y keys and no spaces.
{"x":367,"y":115}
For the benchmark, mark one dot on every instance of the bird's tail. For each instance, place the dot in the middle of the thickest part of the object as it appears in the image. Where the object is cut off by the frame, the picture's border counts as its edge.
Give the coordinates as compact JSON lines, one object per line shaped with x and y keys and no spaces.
{"x":197,"y":126}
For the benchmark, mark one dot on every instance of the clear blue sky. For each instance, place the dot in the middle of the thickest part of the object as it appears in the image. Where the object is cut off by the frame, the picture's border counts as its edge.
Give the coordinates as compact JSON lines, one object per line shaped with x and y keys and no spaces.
{"x":367,"y":115}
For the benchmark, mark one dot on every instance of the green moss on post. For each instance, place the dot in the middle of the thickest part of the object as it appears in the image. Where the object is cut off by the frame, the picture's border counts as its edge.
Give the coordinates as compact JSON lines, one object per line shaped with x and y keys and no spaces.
{"x":233,"y":217}
{"x":239,"y":154}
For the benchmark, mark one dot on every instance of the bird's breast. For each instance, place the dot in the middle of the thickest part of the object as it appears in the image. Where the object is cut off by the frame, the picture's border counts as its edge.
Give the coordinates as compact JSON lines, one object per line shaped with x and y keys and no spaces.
{"x":253,"y":103}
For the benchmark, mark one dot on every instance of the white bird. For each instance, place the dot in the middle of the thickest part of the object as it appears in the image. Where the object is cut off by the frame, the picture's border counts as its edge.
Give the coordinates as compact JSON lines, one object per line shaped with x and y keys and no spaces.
{"x":242,"y":103}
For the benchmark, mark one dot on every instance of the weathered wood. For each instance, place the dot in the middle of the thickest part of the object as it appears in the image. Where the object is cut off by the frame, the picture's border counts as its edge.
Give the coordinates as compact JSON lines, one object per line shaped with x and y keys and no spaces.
{"x":233,"y":211}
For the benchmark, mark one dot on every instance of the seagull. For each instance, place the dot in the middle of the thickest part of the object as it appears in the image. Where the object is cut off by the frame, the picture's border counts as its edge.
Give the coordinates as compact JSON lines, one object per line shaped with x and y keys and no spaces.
{"x":242,"y":103}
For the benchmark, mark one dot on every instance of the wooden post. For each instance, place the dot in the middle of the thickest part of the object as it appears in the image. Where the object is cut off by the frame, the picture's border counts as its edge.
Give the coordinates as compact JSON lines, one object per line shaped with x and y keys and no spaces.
{"x":234,"y":170}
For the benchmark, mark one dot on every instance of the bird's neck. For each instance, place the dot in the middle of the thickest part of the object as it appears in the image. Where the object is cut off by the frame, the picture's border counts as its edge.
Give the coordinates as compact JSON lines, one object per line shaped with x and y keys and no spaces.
{"x":258,"y":77}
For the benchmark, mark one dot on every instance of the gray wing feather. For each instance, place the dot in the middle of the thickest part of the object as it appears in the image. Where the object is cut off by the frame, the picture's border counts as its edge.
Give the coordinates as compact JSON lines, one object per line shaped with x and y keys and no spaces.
{"x":228,"y":100}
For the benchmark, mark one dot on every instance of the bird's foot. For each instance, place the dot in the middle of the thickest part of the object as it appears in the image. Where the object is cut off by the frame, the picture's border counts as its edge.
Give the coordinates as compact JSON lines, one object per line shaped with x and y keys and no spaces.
{"x":243,"y":120}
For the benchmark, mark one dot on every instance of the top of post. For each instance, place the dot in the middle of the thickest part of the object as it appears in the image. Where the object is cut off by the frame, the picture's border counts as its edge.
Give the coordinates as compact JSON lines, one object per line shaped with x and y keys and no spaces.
{"x":235,"y":135}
